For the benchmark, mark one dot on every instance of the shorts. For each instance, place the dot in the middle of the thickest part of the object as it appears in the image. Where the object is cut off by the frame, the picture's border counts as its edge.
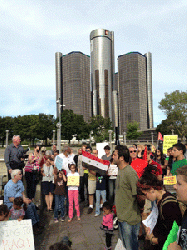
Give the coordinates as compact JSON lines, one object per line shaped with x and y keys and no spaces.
{"x":91,"y":187}
{"x":47,"y":187}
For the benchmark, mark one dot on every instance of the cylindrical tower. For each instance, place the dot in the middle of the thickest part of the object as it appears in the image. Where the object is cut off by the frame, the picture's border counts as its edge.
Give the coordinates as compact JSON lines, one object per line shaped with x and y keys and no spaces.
{"x":149,"y":90}
{"x":102,"y":71}
{"x":59,"y":81}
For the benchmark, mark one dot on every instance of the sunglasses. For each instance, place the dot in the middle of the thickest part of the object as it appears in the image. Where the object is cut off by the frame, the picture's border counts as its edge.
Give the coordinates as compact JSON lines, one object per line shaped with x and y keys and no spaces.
{"x":133,"y":151}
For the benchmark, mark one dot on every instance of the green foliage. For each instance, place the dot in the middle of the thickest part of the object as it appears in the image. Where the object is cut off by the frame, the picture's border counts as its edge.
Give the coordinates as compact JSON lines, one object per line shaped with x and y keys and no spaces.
{"x":100,"y":126}
{"x":132,"y":130}
{"x":174,"y":106}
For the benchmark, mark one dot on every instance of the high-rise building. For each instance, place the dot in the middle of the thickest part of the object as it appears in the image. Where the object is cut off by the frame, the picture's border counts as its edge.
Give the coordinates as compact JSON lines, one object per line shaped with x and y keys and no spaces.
{"x":75,"y":90}
{"x":102,"y":72}
{"x":134,"y":84}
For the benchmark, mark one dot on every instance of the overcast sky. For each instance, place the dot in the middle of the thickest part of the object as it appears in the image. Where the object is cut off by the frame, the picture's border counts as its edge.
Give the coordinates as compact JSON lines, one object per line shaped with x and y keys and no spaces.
{"x":32,"y":31}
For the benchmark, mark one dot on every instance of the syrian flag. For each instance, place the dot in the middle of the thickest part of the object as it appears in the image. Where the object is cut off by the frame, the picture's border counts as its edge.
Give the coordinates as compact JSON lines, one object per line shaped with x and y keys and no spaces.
{"x":94,"y":163}
{"x":160,"y":137}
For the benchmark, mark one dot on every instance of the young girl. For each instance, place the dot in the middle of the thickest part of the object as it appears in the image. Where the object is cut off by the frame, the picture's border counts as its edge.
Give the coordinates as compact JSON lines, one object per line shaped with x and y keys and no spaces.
{"x":107,"y":224}
{"x":4,"y":213}
{"x":17,"y":211}
{"x":73,"y":194}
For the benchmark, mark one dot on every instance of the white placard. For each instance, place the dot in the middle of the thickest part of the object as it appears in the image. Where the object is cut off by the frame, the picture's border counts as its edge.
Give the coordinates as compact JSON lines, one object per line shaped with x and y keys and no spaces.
{"x":113,"y":170}
{"x":100,"y":148}
{"x":152,"y":218}
{"x":16,"y":235}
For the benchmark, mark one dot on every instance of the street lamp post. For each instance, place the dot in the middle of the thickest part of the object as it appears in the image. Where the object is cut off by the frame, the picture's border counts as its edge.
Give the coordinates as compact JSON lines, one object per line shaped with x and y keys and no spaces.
{"x":59,"y":125}
{"x":110,"y":138}
{"x":172,"y":131}
{"x":53,"y":137}
{"x":152,"y":137}
{"x":124,"y":138}
{"x":7,"y":131}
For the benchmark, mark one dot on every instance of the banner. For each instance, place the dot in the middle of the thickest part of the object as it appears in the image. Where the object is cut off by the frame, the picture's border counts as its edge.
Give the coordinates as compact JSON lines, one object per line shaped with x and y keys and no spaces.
{"x":16,"y":235}
{"x":169,"y":141}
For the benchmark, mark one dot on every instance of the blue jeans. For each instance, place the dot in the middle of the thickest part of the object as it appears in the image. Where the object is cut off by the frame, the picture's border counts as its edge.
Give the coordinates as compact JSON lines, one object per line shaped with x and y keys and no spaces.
{"x":31,"y":213}
{"x":99,"y":193}
{"x":129,"y":235}
{"x":59,"y":205}
{"x":111,"y":190}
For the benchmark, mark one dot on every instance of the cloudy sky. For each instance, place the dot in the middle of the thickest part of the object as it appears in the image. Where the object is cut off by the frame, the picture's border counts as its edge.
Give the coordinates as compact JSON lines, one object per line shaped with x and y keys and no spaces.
{"x":32,"y":31}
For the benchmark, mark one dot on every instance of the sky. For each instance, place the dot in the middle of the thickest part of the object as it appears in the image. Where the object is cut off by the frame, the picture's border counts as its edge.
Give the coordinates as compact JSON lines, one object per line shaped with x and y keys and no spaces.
{"x":32,"y":31}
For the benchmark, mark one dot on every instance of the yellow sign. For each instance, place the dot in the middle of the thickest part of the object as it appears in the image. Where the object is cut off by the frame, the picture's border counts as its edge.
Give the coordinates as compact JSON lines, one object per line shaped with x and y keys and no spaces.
{"x":169,"y":141}
{"x":170,"y":180}
{"x":73,"y":181}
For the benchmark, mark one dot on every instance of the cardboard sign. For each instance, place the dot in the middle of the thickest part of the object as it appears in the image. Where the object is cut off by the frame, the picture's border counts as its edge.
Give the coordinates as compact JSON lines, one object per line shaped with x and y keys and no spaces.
{"x":16,"y":235}
{"x":152,"y":218}
{"x":170,"y":180}
{"x":58,"y":162}
{"x":113,"y":170}
{"x":73,"y":181}
{"x":169,"y":141}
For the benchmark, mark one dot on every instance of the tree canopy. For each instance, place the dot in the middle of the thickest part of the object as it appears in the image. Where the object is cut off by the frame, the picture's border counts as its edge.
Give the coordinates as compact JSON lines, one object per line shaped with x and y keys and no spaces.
{"x":174,"y":106}
{"x":132,"y":130}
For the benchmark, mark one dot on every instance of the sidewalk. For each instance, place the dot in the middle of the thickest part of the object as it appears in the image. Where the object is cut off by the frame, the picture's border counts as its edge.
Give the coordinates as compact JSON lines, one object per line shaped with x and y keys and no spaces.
{"x":84,"y":234}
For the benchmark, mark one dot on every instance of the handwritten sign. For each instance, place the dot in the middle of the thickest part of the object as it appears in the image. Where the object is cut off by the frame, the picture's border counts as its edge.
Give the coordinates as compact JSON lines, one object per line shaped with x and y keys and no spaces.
{"x":113,"y":170}
{"x":170,"y":180}
{"x":73,"y":181}
{"x":169,"y":141}
{"x":58,"y":162}
{"x":152,"y":218}
{"x":16,"y":235}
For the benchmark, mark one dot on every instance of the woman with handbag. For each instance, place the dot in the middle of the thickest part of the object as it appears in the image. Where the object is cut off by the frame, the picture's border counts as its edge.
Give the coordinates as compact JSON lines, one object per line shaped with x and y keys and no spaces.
{"x":32,"y":171}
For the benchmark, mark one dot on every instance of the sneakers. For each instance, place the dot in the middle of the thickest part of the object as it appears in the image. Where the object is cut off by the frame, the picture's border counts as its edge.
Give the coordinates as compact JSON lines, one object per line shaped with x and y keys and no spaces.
{"x":63,"y":218}
{"x":55,"y":220}
{"x":96,"y":215}
{"x":90,"y":210}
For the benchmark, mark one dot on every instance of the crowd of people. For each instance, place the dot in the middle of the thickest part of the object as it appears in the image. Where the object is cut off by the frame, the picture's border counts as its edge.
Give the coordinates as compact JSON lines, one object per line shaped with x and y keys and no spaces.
{"x":134,"y":190}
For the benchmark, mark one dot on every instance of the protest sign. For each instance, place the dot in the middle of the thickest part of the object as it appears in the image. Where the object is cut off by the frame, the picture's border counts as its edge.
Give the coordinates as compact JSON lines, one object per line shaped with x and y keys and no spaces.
{"x":58,"y":162}
{"x":152,"y":218}
{"x":170,"y":180}
{"x":113,"y":170}
{"x":16,"y":235}
{"x":169,"y":141}
{"x":73,"y":181}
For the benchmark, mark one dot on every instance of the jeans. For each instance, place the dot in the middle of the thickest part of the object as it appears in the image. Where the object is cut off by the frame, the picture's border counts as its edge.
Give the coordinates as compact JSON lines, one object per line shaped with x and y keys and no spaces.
{"x":129,"y":235}
{"x":111,"y":190}
{"x":59,"y":201}
{"x":73,"y":196}
{"x":31,"y":184}
{"x":31,"y":213}
{"x":99,"y":193}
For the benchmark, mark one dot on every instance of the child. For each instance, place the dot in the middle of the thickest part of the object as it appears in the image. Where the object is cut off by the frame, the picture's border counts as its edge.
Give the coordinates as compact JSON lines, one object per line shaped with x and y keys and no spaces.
{"x":17,"y":211}
{"x":60,"y":192}
{"x":100,"y":191}
{"x":73,"y":194}
{"x":107,"y":224}
{"x":4,"y":213}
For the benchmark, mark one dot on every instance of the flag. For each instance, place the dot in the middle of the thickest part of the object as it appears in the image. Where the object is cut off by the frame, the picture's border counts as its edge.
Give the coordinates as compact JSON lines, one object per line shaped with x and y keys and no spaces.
{"x":160,"y":137}
{"x":94,"y":163}
{"x":139,"y":165}
{"x":145,"y":154}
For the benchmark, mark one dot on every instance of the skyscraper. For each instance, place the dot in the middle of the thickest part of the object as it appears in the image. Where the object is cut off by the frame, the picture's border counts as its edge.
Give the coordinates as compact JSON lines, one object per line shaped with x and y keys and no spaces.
{"x":102,"y":72}
{"x":75,"y":90}
{"x":134,"y":84}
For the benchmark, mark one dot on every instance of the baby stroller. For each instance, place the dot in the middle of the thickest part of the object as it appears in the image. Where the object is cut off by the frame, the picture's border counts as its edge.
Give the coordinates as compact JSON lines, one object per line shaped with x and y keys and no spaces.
{"x":115,"y":218}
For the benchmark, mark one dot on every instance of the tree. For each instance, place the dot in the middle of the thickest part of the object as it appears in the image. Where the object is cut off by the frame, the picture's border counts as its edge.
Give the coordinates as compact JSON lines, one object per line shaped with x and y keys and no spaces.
{"x":132,"y":130}
{"x":100,"y":126}
{"x":174,"y":106}
{"x":6,"y":124}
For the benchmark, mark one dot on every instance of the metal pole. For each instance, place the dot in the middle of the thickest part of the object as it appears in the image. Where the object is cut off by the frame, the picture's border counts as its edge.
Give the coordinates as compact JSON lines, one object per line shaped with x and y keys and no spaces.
{"x":7,"y":131}
{"x":124,"y":138}
{"x":110,"y":138}
{"x":152,"y":137}
{"x":53,"y":137}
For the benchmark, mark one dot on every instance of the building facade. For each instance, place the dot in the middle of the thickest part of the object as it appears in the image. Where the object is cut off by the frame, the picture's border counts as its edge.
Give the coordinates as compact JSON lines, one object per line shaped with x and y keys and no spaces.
{"x":133,"y":90}
{"x":75,"y":90}
{"x":102,"y":72}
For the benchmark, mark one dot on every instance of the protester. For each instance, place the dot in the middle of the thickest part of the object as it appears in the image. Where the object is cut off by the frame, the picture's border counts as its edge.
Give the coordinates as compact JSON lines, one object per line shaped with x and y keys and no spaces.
{"x":107,"y":155}
{"x":140,"y":151}
{"x":111,"y":183}
{"x":160,"y":159}
{"x":17,"y":211}
{"x":73,"y":194}
{"x":168,"y":209}
{"x":178,"y":151}
{"x":47,"y":183}
{"x":14,"y":155}
{"x":4,"y":213}
{"x":181,"y":190}
{"x":60,"y":193}
{"x":185,"y":155}
{"x":84,"y":182}
{"x":54,"y":149}
{"x":78,"y":161}
{"x":31,"y":172}
{"x":126,"y":199}
{"x":107,"y":224}
{"x":100,"y":192}
{"x":13,"y":189}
